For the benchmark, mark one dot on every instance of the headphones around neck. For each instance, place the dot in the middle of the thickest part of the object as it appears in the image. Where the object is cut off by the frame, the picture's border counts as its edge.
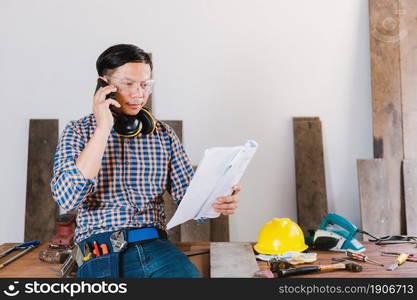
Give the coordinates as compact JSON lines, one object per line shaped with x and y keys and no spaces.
{"x":130,"y":126}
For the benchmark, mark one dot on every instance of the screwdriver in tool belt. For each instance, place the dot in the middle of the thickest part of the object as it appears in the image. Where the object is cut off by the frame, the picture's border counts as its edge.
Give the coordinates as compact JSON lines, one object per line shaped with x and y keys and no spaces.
{"x":362,"y":257}
{"x":399,"y":261}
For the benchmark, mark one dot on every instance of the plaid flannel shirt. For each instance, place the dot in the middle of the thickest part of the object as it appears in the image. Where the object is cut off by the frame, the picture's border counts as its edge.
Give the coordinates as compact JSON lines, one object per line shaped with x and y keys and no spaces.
{"x":127,"y":192}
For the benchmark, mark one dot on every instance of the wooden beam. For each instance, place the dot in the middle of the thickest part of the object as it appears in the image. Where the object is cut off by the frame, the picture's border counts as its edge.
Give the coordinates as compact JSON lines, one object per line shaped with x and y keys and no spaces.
{"x":410,"y":192}
{"x":219,"y":229}
{"x":309,"y":173}
{"x":375,"y":197}
{"x":41,"y":209}
{"x":385,"y":36}
{"x":408,"y":52}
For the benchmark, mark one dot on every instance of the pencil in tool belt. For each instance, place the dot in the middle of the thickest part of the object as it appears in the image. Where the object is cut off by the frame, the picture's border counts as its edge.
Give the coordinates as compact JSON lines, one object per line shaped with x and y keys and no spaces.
{"x":399,"y":261}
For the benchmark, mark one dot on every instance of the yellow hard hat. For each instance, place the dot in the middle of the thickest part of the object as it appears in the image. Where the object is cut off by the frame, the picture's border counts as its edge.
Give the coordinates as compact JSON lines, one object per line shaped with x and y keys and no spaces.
{"x":279,"y":236}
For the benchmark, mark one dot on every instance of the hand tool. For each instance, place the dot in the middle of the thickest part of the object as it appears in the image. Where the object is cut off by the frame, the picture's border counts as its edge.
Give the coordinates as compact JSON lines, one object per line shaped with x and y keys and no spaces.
{"x":87,"y":252}
{"x":362,"y":257}
{"x":336,"y":238}
{"x":20,"y":246}
{"x":276,"y":264}
{"x":96,"y":250}
{"x":26,"y":246}
{"x":338,"y":259}
{"x":399,"y":261}
{"x":352,"y":267}
{"x":59,"y":247}
{"x":411,"y":256}
{"x":68,"y":267}
{"x":104,"y":249}
{"x":118,"y":241}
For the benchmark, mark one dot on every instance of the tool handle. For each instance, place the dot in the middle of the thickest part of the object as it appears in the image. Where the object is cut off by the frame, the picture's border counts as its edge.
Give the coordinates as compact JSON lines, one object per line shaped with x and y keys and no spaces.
{"x":96,"y":250}
{"x":356,"y":255}
{"x":339,"y":266}
{"x":17,"y":256}
{"x":27,"y":244}
{"x":402,"y":258}
{"x":298,"y":271}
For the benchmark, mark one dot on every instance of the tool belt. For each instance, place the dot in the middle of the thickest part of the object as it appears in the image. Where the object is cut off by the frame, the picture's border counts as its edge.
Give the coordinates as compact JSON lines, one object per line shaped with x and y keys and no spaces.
{"x":101,"y":252}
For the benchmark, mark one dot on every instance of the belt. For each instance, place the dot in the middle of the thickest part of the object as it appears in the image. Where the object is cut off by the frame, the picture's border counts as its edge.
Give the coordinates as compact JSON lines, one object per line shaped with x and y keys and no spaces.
{"x":145,"y":233}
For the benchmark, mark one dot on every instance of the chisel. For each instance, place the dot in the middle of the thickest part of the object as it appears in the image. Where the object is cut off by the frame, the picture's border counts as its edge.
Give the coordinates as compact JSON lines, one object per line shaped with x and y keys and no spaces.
{"x":399,"y":261}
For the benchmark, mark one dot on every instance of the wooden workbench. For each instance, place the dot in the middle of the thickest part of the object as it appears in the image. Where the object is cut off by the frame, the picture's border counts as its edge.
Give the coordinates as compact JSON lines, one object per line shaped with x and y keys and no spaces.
{"x":29,"y":266}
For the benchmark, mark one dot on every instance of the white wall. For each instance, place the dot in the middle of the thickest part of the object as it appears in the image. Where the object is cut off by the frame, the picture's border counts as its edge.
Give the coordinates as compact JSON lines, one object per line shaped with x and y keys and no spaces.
{"x":232,"y":70}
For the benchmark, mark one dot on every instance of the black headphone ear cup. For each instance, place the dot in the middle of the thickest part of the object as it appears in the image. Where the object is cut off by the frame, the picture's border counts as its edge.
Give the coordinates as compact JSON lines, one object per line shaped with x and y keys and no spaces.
{"x":147,"y":120}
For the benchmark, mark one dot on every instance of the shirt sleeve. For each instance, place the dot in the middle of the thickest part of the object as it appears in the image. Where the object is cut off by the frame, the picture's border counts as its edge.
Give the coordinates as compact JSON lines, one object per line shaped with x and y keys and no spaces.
{"x":180,"y":169}
{"x":68,"y":185}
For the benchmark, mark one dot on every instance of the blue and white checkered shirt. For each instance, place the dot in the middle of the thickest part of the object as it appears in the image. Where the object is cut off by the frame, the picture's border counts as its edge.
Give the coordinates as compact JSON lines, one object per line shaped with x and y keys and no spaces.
{"x":127,"y":192}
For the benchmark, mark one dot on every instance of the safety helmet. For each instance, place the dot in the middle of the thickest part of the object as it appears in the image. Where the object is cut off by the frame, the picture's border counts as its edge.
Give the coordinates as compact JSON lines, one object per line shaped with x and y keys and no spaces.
{"x":279,"y":236}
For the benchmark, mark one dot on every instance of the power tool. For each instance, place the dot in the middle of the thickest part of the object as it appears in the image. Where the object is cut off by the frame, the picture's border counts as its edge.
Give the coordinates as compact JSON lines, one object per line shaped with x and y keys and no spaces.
{"x":339,"y":238}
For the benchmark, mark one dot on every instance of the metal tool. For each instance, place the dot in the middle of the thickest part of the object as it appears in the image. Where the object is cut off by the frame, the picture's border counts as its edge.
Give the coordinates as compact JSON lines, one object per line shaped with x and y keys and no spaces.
{"x":68,"y":267}
{"x":410,"y":257}
{"x":118,"y":241}
{"x":352,"y":267}
{"x":20,"y":246}
{"x":338,"y":259}
{"x":399,"y":261}
{"x":362,"y":257}
{"x":276,"y":264}
{"x":26,"y":246}
{"x":336,"y":239}
{"x":88,"y":252}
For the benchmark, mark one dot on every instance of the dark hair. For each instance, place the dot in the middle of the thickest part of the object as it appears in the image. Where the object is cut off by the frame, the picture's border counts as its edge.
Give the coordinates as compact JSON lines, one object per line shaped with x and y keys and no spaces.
{"x":118,"y":55}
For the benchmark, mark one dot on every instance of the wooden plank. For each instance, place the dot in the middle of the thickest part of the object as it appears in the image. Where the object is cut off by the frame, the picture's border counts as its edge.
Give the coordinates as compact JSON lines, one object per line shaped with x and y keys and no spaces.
{"x":219,"y":229}
{"x":386,"y":101}
{"x":374,"y":197}
{"x":41,"y":209}
{"x":410,"y":193}
{"x":310,"y":173}
{"x":408,"y":52}
{"x":191,"y":231}
{"x":232,"y":260}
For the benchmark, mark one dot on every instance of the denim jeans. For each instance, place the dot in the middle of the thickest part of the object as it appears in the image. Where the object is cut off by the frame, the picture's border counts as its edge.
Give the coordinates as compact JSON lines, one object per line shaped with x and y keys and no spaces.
{"x":157,"y":258}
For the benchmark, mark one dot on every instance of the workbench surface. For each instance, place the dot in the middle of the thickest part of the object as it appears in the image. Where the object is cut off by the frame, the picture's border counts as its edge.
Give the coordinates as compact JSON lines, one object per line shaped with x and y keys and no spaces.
{"x":29,"y":265}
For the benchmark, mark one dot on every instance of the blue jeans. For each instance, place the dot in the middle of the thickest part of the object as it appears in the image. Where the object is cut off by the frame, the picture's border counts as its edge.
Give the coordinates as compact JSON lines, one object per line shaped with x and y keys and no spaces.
{"x":157,"y":258}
